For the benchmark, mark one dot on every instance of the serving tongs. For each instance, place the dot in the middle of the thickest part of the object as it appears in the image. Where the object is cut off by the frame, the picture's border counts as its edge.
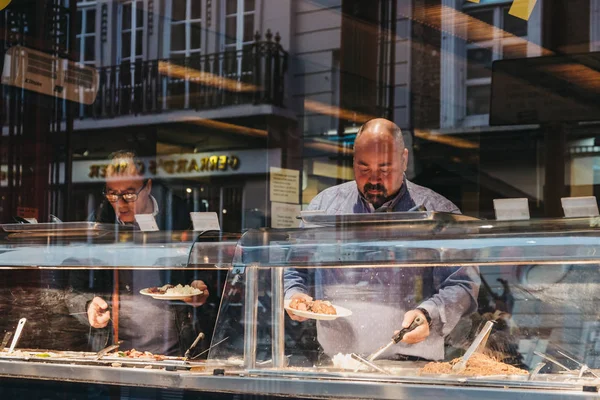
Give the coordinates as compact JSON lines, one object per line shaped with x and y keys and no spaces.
{"x":583,"y":367}
{"x":7,"y":337}
{"x":186,"y":356}
{"x":17,"y":336}
{"x":397,"y":338}
{"x":108,"y":349}
{"x":368,"y":364}
{"x":476,"y":347}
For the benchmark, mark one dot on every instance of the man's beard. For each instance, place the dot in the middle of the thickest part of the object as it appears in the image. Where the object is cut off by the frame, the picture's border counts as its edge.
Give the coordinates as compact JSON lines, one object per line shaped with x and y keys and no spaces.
{"x":376,"y":199}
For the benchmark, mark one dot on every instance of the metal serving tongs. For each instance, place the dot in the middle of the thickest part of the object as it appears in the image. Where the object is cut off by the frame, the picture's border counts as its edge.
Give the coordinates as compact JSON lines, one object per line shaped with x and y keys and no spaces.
{"x":476,"y":347}
{"x":200,"y":336}
{"x":397,"y":338}
{"x":108,"y":349}
{"x":17,"y":336}
{"x":583,"y":367}
{"x":368,"y":364}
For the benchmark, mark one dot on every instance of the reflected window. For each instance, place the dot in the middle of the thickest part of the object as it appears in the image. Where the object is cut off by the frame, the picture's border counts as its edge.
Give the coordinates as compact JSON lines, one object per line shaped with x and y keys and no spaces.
{"x":492,"y":34}
{"x":239,"y":23}
{"x":186,"y":28}
{"x":132,"y":28}
{"x":85,"y":39}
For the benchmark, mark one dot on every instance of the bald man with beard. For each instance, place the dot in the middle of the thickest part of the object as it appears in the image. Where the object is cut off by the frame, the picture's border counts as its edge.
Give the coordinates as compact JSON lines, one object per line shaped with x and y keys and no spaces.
{"x":386,"y":300}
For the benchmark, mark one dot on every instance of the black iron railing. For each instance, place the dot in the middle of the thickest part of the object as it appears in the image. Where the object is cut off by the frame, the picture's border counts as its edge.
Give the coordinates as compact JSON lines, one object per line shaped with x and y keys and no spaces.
{"x":254,"y":75}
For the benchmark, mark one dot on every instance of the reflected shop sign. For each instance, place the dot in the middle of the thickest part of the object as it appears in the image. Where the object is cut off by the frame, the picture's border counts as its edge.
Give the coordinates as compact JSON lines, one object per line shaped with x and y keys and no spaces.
{"x":191,"y":165}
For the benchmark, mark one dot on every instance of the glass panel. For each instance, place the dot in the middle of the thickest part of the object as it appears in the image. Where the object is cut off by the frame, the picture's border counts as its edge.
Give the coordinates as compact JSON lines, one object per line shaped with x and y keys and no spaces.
{"x":230,"y":30}
{"x":90,"y":48}
{"x":126,"y":45}
{"x":478,"y":100}
{"x":231,"y":7}
{"x":178,"y":11}
{"x":126,"y":16}
{"x":140,"y":21}
{"x":249,"y":5}
{"x":480,"y":63}
{"x":196,"y":32}
{"x":514,"y":25}
{"x":514,"y":51}
{"x":79,"y":22}
{"x":248,"y":28}
{"x":196,"y":9}
{"x":90,"y":24}
{"x":480,"y":25}
{"x":139,"y":42}
{"x":177,"y":37}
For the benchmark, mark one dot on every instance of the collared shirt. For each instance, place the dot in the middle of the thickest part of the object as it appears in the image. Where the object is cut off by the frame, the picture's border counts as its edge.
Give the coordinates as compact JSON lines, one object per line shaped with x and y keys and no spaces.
{"x":379,"y":298}
{"x":347,"y":199}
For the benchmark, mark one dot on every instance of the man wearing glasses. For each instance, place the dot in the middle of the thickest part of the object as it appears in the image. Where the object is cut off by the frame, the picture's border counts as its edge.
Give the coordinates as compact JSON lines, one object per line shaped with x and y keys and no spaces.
{"x":166,"y":328}
{"x":127,"y":193}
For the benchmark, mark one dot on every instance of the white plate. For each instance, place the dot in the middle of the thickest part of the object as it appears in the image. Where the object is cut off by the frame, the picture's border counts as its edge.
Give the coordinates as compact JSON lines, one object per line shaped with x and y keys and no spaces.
{"x":169,"y":296}
{"x":341,"y":312}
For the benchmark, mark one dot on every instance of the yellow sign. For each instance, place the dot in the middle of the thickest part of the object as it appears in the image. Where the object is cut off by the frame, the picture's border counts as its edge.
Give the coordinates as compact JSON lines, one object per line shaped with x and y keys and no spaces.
{"x":520,"y":8}
{"x":4,"y":4}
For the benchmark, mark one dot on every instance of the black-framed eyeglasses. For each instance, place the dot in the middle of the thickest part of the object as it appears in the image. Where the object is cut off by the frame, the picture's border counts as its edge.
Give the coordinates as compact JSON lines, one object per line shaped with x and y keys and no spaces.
{"x":127,"y":197}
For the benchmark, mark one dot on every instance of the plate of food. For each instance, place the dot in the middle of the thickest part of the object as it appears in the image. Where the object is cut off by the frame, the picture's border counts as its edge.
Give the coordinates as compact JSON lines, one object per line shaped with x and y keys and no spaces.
{"x":316,"y":309}
{"x":171,"y":292}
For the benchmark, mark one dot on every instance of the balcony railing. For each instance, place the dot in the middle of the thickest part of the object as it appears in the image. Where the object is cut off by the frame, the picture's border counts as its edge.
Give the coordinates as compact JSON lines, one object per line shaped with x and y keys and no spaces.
{"x":254,"y":75}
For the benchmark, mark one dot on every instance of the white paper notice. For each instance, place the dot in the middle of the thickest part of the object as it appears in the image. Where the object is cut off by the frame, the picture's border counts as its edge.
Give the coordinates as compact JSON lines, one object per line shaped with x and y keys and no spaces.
{"x":146,"y":222}
{"x":511,"y":209}
{"x":284,"y":215}
{"x":285,"y":185}
{"x":205,"y":221}
{"x":575,"y":207}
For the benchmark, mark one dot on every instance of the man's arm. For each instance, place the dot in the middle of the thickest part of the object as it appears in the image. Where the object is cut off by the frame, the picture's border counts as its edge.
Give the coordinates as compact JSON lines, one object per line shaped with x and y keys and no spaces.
{"x":455,"y":297}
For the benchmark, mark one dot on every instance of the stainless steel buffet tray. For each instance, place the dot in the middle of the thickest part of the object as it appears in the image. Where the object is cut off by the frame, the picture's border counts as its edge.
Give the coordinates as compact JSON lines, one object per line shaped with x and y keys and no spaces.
{"x":383,"y":218}
{"x":63,"y":229}
{"x":312,"y":384}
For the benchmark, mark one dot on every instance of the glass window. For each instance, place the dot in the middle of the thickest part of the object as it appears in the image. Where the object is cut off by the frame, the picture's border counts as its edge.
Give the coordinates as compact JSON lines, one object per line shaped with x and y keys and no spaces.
{"x":196,"y":10}
{"x":239,"y":23}
{"x":216,"y":97}
{"x":479,"y":63}
{"x":186,"y":28}
{"x":178,"y":37}
{"x":85,"y":38}
{"x":179,"y":10}
{"x":512,"y":24}
{"x":493,"y":34}
{"x":133,"y":30}
{"x":478,"y":100}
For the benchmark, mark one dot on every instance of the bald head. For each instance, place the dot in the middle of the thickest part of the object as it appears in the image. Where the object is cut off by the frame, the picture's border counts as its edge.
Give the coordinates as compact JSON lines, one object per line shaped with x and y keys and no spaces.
{"x":380,"y":160}
{"x":381,"y":126}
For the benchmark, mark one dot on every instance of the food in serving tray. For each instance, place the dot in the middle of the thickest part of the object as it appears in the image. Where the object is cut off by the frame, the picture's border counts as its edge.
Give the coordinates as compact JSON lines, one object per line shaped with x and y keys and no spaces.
{"x":345,"y":361}
{"x":315,"y":306}
{"x":133,"y":353}
{"x":178,"y":290}
{"x":478,"y":365}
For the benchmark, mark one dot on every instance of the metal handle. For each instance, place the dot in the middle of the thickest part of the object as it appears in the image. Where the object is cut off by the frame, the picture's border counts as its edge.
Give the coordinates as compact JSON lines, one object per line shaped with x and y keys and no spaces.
{"x":418,"y":321}
{"x":198,"y":338}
